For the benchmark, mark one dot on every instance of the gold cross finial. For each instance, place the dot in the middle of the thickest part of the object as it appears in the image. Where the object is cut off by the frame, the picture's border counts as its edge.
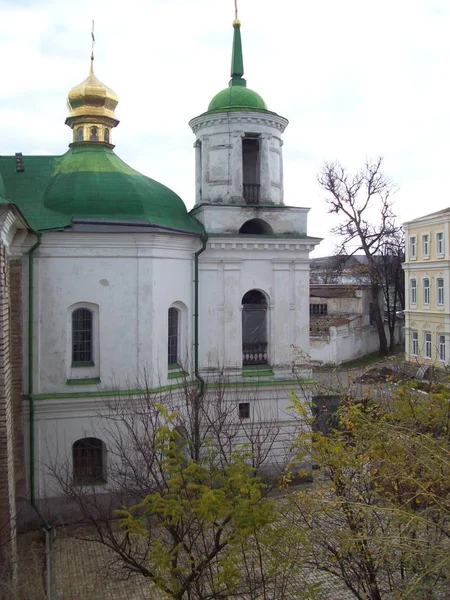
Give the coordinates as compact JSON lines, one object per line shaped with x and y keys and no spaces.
{"x":93,"y":40}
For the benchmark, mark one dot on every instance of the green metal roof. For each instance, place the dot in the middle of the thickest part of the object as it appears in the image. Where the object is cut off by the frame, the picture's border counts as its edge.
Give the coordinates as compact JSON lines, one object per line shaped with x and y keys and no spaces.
{"x":2,"y":188}
{"x":237,"y":96}
{"x":90,"y":181}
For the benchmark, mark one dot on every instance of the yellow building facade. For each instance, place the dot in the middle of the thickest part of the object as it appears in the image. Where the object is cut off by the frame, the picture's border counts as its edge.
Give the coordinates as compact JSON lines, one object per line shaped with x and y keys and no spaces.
{"x":427,"y":293}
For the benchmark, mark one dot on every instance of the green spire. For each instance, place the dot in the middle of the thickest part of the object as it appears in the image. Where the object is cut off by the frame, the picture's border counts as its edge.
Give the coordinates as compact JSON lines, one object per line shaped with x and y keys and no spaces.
{"x":237,"y":61}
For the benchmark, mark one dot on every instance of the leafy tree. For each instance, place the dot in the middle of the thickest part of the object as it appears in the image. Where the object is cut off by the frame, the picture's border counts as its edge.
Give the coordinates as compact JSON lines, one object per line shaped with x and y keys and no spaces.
{"x":379,"y":519}
{"x":363,"y":203}
{"x":194,"y":516}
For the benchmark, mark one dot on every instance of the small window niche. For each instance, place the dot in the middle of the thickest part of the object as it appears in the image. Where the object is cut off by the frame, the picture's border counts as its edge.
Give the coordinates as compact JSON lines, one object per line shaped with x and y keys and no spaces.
{"x":80,"y":135}
{"x":244,"y":410}
{"x":106,"y":135}
{"x":256,"y":227}
{"x":93,"y":137}
{"x":251,"y":168}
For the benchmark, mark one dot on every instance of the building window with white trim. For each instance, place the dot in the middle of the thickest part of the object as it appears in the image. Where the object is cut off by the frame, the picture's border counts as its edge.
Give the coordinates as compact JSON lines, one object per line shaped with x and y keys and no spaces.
{"x":441,"y":348}
{"x":426,"y":291}
{"x":440,"y":243}
{"x":427,"y":344}
{"x":425,"y":245}
{"x":440,"y":291}
{"x":413,"y":291}
{"x":412,"y":246}
{"x":415,"y":343}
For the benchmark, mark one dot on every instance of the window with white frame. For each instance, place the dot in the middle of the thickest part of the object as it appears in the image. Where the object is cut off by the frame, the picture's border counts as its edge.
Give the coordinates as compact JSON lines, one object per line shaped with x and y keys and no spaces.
{"x":440,"y":291}
{"x":440,"y":243}
{"x":415,"y":343}
{"x":413,"y":291}
{"x":441,"y":348}
{"x":425,"y":244}
{"x":426,"y":291}
{"x":427,"y":344}
{"x":412,"y":246}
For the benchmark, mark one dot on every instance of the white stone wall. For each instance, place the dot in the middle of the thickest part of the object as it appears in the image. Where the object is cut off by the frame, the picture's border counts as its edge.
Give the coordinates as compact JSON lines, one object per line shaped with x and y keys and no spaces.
{"x":229,"y":268}
{"x":219,"y":168}
{"x":130,"y":280}
{"x":272,"y":426}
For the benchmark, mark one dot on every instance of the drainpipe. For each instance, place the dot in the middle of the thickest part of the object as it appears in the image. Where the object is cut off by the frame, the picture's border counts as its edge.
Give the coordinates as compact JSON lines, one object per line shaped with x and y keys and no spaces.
{"x":46,"y":526}
{"x":203,"y":239}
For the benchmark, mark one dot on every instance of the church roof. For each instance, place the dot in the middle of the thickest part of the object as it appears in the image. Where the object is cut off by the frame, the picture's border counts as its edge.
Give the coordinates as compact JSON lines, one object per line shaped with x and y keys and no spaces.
{"x":90,"y":181}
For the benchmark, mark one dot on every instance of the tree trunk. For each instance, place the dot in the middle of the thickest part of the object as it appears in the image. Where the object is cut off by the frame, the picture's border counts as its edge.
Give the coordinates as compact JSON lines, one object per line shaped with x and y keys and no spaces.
{"x":379,"y":318}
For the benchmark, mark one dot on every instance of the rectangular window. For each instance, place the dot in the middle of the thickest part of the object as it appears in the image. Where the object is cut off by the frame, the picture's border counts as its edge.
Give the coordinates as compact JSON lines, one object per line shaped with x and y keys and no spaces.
{"x":413,"y":291}
{"x":442,"y":348}
{"x":415,"y":343}
{"x":426,"y":291}
{"x":440,"y":243}
{"x":440,"y":291}
{"x":412,"y":246}
{"x":318,"y":309}
{"x":244,"y":410}
{"x":425,"y":245}
{"x":428,"y":344}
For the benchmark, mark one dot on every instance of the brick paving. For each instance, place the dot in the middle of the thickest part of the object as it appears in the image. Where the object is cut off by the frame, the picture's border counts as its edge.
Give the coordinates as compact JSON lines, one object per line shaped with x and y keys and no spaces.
{"x":83,"y":571}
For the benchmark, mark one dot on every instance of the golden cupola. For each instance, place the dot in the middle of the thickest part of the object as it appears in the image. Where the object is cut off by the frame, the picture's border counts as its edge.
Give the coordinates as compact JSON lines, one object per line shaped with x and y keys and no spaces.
{"x":91,"y":105}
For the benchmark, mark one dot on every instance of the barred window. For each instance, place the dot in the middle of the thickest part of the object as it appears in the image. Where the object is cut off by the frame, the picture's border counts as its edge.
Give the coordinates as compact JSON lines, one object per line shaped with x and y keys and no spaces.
{"x":318,"y":309}
{"x":173,"y":336}
{"x":88,"y":461}
{"x":82,"y":336}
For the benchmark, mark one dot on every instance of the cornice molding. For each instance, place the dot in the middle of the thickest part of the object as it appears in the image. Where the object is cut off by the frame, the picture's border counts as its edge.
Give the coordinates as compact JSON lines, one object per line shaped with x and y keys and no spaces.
{"x":239,"y":117}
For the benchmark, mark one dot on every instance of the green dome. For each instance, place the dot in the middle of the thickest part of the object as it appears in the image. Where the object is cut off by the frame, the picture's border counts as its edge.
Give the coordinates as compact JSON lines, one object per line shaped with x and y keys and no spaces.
{"x":91,"y":181}
{"x":236,"y":97}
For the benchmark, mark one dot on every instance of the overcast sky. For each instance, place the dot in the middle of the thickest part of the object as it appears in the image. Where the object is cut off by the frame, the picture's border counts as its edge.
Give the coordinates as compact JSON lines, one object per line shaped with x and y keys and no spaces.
{"x":355,"y":78}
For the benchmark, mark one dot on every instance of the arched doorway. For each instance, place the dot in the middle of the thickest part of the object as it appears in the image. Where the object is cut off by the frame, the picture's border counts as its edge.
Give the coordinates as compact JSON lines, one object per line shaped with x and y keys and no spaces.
{"x":254,"y":328}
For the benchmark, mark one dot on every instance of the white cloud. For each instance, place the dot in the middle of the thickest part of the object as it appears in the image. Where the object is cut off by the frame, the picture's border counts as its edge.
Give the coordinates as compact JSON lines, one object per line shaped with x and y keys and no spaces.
{"x":355,"y":79}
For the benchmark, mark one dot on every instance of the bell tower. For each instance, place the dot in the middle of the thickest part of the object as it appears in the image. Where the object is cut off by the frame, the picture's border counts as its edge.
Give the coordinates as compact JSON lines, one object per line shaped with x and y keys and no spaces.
{"x":238,"y":147}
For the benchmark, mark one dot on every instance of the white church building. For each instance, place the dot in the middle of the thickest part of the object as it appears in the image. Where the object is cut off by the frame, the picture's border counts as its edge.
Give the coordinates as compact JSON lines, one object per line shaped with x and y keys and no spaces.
{"x":107,"y":281}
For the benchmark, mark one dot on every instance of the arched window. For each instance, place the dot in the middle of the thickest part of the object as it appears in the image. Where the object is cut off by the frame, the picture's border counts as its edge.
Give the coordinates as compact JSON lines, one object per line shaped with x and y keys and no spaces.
{"x":88,"y":456}
{"x":82,"y":337}
{"x":106,"y":135}
{"x":256,"y":226}
{"x":254,"y":328}
{"x":173,"y":336}
{"x":79,"y":134}
{"x":94,"y":134}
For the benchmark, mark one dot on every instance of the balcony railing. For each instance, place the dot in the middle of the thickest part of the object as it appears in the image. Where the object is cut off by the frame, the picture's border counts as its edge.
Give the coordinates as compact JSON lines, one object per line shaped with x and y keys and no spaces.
{"x":254,"y":353}
{"x":251,"y":193}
